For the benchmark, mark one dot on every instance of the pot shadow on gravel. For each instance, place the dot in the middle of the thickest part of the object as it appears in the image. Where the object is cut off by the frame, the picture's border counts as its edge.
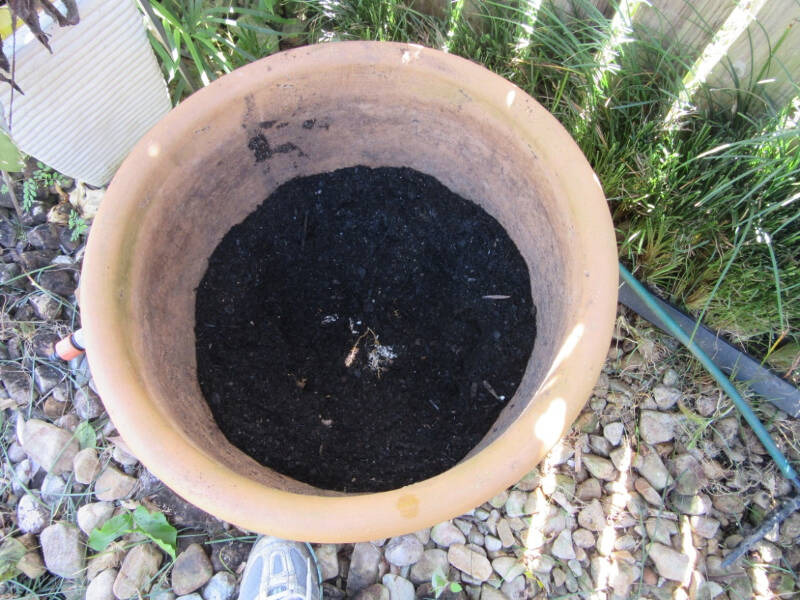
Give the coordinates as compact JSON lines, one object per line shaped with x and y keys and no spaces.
{"x":362,"y":329}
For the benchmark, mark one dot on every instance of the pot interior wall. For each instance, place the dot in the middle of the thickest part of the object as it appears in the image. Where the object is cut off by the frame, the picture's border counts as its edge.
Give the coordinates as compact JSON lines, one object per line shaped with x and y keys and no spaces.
{"x":232,"y":157}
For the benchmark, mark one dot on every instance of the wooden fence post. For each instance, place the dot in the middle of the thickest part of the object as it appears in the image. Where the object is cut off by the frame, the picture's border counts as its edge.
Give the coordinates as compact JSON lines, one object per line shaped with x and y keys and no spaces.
{"x":606,"y":7}
{"x":687,"y":25}
{"x":764,"y":58}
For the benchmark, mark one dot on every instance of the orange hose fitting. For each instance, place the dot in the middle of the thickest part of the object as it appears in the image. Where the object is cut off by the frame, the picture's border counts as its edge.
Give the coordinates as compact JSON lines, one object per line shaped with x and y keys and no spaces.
{"x":69,"y":347}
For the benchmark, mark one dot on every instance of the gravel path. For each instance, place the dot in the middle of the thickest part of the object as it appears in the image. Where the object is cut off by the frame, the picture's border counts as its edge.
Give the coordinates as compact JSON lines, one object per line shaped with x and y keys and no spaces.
{"x":657,"y":480}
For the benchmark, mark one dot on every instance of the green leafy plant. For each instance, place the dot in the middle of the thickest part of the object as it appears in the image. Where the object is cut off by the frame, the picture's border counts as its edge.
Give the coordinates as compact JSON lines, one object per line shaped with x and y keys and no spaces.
{"x":153,"y":525}
{"x":199,"y":41}
{"x":440,"y":583}
{"x":43,"y":177}
{"x":77,"y":225}
{"x":29,"y":189}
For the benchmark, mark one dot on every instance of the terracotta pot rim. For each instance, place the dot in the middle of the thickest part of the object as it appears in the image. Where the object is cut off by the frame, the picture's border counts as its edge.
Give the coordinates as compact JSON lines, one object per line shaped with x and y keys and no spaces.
{"x":319,"y":518}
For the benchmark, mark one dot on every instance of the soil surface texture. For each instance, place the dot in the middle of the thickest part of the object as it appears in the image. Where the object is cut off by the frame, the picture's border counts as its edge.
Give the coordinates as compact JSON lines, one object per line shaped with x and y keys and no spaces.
{"x":363,"y":329}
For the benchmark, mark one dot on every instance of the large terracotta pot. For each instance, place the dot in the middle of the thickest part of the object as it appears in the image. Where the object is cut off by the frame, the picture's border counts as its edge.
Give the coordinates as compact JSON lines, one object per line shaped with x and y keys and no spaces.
{"x":214,"y":158}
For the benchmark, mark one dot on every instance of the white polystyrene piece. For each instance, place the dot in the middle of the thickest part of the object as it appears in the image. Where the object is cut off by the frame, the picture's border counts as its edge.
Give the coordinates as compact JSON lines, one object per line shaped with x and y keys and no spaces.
{"x":88,"y":103}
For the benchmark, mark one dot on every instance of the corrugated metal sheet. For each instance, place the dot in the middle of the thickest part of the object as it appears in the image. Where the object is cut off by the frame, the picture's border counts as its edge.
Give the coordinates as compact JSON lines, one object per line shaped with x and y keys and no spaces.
{"x":88,"y":103}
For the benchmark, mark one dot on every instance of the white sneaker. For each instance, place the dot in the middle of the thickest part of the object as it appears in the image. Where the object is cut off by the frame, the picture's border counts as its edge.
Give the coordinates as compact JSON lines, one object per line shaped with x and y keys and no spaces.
{"x":281,"y":570}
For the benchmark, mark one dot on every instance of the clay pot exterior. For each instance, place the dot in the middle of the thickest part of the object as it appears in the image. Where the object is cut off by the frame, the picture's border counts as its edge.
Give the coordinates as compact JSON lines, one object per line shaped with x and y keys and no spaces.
{"x":215,"y":157}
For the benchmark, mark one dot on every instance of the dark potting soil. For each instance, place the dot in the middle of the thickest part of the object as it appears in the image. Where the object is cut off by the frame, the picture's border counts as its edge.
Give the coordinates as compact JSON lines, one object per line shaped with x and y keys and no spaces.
{"x":362,"y":329}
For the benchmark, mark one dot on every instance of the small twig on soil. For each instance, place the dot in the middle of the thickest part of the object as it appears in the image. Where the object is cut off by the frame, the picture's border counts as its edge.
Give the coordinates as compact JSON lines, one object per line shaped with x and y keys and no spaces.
{"x":496,"y":297}
{"x":351,"y":356}
{"x":490,"y":389}
{"x":12,"y":193}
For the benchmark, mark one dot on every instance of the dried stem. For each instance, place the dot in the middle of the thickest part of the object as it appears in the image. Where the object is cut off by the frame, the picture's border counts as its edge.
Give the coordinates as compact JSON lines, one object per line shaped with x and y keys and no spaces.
{"x":10,"y":185}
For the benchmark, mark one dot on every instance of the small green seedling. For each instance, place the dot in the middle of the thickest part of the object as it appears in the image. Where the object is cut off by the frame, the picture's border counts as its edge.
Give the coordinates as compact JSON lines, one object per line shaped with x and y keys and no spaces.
{"x":43,"y":177}
{"x":77,"y":225}
{"x":86,"y":435}
{"x":29,"y":189}
{"x":152,"y":525}
{"x":440,"y":583}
